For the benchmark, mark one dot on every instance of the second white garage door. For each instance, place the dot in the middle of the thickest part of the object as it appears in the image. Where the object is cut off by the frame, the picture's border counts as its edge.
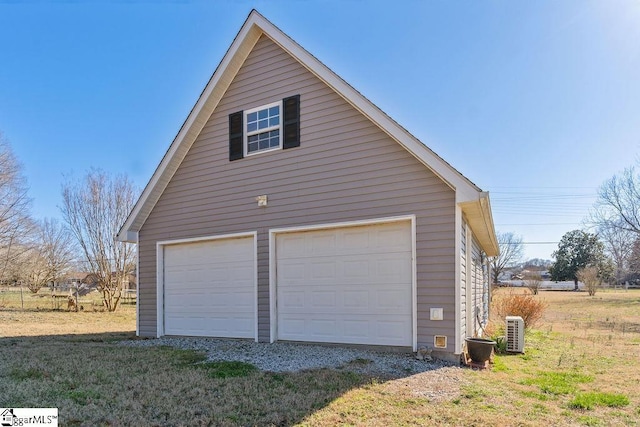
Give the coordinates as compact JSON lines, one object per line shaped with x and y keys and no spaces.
{"x":346,"y":285}
{"x":209,"y":288}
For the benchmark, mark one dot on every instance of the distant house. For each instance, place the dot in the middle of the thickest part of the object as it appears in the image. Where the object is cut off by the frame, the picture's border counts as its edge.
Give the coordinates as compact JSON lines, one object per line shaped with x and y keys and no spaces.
{"x":92,"y":280}
{"x":290,"y":208}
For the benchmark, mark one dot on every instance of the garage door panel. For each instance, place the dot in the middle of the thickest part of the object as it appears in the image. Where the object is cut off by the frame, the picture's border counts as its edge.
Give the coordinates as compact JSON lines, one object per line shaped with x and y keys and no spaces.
{"x":348,"y":330}
{"x":292,"y":300}
{"x":288,"y":245}
{"x":356,"y":268}
{"x":391,"y":330}
{"x":209,"y":288}
{"x":394,"y":238}
{"x":323,"y":300}
{"x":392,"y":299}
{"x":356,"y":299}
{"x":376,"y":267}
{"x":356,"y":330}
{"x":346,"y":285}
{"x":322,"y":244}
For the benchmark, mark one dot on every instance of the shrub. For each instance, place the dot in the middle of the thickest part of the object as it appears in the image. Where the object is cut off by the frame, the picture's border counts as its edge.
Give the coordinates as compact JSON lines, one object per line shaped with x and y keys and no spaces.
{"x":533,"y":281}
{"x":526,"y":306}
{"x":591,"y":279}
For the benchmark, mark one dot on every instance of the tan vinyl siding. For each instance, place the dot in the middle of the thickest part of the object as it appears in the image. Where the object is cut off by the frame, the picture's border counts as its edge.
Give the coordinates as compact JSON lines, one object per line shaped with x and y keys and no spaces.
{"x":477,"y":285}
{"x":463,"y":279}
{"x":345,"y":169}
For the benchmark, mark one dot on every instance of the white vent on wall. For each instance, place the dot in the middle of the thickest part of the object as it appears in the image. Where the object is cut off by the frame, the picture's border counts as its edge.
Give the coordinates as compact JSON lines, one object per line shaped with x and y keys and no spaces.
{"x":515,"y":334}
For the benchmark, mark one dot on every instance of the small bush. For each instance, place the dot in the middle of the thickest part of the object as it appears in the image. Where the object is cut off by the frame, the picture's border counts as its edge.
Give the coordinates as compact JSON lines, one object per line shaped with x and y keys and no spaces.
{"x":591,"y":279}
{"x":533,"y":281}
{"x":528,"y":307}
{"x":501,"y":344}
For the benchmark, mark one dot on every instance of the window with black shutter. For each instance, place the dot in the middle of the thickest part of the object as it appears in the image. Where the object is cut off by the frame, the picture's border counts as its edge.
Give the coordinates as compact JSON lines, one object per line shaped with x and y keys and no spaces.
{"x":291,"y":106}
{"x":266,"y":128}
{"x":236,"y":136}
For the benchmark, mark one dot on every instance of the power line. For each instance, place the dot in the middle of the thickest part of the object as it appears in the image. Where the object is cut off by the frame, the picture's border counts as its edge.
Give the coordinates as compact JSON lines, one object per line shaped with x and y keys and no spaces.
{"x":541,"y":223}
{"x":531,"y":243}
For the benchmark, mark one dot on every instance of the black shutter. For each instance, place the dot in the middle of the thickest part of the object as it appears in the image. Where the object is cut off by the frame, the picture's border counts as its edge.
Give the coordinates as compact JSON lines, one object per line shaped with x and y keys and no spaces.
{"x":236,"y":149}
{"x":291,"y":107}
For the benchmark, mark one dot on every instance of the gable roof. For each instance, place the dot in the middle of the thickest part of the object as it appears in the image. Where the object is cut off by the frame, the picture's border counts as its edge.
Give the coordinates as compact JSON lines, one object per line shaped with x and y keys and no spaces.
{"x":473,"y":201}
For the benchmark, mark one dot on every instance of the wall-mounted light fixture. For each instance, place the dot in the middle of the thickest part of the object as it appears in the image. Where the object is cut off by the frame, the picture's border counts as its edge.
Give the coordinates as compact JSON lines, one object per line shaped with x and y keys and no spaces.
{"x":262,"y":201}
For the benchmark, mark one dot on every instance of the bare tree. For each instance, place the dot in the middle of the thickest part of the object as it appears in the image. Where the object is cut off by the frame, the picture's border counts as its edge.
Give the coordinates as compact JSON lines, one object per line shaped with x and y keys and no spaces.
{"x":32,"y":269}
{"x":618,"y":203}
{"x":15,"y":221}
{"x":43,"y":257}
{"x":590,"y":277}
{"x":511,"y":251}
{"x":57,"y":248}
{"x":533,"y":281}
{"x":618,"y":245}
{"x":94,"y":210}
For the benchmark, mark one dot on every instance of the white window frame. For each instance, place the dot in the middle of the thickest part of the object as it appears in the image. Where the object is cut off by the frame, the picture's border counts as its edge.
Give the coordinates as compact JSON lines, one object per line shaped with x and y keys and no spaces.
{"x":247,"y":134}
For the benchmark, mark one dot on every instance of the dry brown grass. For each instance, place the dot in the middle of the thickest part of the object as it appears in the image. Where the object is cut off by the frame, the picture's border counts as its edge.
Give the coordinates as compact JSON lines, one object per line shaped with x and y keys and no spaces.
{"x":44,"y":316}
{"x":584,"y":344}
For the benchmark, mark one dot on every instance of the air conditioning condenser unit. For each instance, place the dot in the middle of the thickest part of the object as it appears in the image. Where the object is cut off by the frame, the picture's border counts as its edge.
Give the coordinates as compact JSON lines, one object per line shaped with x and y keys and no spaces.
{"x":515,"y":334}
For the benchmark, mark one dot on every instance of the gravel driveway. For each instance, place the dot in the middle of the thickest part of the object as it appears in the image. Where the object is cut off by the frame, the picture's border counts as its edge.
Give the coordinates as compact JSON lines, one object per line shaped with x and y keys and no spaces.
{"x":290,"y":357}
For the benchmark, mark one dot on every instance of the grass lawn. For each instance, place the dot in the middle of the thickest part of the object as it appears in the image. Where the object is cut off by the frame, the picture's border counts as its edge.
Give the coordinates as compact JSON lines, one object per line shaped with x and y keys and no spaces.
{"x":581,"y":367}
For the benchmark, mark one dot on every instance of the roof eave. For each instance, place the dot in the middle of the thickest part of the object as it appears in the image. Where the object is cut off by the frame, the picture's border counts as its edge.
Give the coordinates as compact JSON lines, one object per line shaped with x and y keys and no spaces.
{"x":479,"y":217}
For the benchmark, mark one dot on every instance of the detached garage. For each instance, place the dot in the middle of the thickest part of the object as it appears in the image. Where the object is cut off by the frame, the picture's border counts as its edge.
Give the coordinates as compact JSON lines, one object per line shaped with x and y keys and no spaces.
{"x":290,"y":208}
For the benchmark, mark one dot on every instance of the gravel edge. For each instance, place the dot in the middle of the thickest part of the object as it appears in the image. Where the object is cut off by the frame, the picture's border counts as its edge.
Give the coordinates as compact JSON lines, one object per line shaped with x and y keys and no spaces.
{"x":294,"y":357}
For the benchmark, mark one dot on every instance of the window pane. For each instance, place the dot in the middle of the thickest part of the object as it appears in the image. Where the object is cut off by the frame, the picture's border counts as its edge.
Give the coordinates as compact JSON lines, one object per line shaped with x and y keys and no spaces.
{"x":274,"y":121}
{"x":252,"y":147}
{"x":253,"y":138}
{"x":252,"y":117}
{"x":262,"y":114}
{"x":274,"y":138}
{"x":264,"y":143}
{"x":274,"y":111}
{"x":262,"y":124}
{"x":252,"y":127}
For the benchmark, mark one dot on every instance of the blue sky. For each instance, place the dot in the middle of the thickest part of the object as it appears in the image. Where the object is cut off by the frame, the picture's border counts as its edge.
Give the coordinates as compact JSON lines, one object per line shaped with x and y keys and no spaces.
{"x":536,"y":102}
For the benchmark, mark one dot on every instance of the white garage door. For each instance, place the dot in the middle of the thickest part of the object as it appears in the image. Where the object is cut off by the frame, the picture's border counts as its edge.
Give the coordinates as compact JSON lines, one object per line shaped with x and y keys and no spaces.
{"x":209,"y":288}
{"x":346,"y":285}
